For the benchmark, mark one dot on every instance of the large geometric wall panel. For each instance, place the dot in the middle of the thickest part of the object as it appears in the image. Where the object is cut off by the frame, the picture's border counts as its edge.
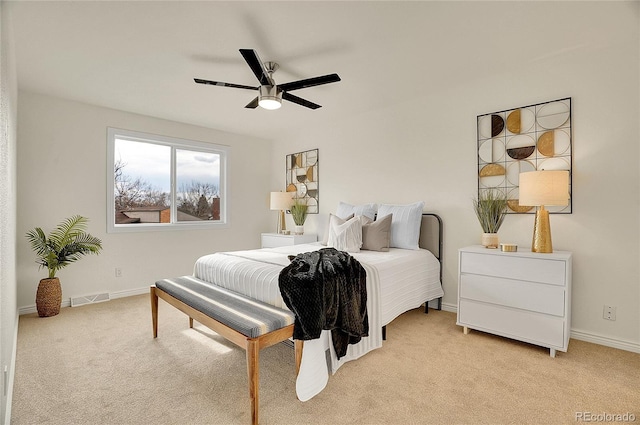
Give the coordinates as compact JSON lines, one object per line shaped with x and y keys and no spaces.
{"x":529,"y":138}
{"x":302,"y":179}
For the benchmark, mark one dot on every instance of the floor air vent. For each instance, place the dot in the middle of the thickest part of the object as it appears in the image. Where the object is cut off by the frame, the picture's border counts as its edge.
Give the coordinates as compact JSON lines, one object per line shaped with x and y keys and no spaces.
{"x":89,"y":299}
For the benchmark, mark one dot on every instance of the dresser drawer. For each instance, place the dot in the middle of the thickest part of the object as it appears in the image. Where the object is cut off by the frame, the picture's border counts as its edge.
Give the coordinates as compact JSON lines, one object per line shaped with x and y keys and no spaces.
{"x":530,"y":269}
{"x":523,"y":325}
{"x":548,"y":299}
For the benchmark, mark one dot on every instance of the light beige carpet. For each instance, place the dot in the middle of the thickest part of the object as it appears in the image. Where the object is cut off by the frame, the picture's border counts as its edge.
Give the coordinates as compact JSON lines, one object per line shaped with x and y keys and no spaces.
{"x":99,"y":364}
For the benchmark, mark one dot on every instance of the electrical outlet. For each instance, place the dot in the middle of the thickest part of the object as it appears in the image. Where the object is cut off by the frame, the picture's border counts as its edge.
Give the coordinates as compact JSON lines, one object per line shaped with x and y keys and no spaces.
{"x":609,"y":313}
{"x":118,"y":272}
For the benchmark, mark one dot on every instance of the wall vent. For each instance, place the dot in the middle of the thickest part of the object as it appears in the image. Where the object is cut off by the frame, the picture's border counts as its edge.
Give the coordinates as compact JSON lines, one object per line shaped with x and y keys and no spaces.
{"x":89,"y":299}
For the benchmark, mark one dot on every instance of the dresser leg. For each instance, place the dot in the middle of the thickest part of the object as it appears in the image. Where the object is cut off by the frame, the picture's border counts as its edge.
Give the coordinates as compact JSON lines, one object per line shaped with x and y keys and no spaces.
{"x":465,"y":330}
{"x":552,"y":352}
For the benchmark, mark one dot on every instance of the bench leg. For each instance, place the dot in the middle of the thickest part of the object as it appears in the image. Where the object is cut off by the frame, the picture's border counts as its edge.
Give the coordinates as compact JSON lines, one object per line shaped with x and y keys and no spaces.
{"x":253,"y":369}
{"x":154,"y":310}
{"x":298,"y":344}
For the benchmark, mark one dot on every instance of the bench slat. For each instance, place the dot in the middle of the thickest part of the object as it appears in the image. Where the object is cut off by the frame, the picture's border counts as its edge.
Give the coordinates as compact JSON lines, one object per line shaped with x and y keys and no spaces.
{"x":250,"y":317}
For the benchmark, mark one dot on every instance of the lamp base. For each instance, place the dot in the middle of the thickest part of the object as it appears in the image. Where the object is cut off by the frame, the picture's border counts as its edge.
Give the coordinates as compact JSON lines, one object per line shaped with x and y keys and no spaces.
{"x":542,"y":233}
{"x":282,"y":225}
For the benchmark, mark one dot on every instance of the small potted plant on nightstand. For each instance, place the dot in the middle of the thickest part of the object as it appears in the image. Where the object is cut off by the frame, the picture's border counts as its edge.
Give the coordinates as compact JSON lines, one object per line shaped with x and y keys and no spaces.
{"x":299,"y":214}
{"x":491,"y":209}
{"x":67,"y":243}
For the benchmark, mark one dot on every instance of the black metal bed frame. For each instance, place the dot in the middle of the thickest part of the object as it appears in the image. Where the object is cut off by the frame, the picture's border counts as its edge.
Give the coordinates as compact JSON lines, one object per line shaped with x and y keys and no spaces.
{"x":438,"y":255}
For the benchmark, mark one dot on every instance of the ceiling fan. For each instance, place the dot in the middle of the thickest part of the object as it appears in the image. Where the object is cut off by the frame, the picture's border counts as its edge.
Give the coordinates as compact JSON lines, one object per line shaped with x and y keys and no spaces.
{"x":270,"y":94}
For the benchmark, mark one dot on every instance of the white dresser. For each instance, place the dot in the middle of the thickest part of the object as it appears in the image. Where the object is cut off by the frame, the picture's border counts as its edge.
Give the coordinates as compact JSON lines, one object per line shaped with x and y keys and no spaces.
{"x":520,"y":295}
{"x":274,"y":240}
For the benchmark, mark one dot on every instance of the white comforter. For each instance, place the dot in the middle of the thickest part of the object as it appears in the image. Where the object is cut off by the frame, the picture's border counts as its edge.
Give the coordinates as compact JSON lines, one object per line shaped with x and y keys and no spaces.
{"x":397,"y":281}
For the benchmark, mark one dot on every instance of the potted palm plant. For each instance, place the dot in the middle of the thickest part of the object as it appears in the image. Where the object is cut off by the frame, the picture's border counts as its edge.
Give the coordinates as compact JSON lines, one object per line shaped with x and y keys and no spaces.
{"x":299,"y":214}
{"x":491,"y":209}
{"x":67,"y":243}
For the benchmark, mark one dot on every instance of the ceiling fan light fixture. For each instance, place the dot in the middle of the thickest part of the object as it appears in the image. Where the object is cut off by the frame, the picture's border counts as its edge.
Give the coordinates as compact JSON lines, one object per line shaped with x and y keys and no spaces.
{"x":270,"y":97}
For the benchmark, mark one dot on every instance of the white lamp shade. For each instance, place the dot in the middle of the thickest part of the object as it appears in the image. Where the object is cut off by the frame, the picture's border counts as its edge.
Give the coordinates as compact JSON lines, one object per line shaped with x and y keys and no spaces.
{"x":539,"y":188}
{"x":281,"y":200}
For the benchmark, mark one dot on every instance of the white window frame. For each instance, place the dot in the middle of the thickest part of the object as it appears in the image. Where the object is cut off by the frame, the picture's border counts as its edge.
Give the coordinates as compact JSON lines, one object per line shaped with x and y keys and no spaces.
{"x":173,"y":143}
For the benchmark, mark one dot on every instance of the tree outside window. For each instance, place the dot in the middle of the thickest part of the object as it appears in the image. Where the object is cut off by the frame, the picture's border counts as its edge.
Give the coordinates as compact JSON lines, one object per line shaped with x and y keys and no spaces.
{"x":164,"y":182}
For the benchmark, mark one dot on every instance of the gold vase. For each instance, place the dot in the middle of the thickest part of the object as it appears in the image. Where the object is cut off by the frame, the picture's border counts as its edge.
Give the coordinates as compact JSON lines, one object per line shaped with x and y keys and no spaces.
{"x":49,"y":297}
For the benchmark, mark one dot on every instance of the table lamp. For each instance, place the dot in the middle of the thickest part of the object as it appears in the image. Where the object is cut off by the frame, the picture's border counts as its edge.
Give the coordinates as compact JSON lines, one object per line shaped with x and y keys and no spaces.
{"x":281,"y":201}
{"x":540,"y":188}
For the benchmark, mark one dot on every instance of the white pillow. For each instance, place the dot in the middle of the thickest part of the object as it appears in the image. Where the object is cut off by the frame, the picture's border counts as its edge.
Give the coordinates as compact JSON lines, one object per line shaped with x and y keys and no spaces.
{"x":367,"y":210}
{"x":405,"y":224}
{"x":345,"y":236}
{"x":325,"y":237}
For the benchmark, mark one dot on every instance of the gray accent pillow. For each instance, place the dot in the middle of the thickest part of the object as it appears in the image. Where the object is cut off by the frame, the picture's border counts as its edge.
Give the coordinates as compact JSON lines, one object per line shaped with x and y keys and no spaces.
{"x":376,"y":235}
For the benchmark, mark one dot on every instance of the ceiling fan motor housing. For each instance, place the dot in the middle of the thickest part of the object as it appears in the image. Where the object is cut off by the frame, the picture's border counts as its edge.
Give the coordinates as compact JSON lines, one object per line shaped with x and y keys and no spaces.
{"x":271,"y":67}
{"x":270,"y":97}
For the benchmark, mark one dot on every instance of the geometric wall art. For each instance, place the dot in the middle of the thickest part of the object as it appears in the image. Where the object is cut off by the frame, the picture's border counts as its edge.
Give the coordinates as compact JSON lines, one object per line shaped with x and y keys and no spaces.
{"x":302,"y":178}
{"x":528,"y":138}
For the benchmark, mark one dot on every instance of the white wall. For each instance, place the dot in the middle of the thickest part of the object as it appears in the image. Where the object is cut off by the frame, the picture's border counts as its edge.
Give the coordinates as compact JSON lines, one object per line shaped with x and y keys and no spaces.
{"x":425,"y":149}
{"x":62,"y":164}
{"x":8,"y":311}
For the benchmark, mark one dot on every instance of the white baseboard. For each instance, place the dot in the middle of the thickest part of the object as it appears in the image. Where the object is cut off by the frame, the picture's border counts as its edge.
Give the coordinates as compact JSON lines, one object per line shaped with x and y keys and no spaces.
{"x":130,"y":292}
{"x":67,"y":301}
{"x":32,"y":308}
{"x":607,"y":341}
{"x":453,"y":308}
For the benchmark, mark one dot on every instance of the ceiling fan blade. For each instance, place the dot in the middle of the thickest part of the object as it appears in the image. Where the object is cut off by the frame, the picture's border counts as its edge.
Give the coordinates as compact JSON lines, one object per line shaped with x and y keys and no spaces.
{"x":309,"y":82}
{"x":218,"y":83}
{"x":256,"y":66}
{"x":300,"y":101}
{"x":253,"y":104}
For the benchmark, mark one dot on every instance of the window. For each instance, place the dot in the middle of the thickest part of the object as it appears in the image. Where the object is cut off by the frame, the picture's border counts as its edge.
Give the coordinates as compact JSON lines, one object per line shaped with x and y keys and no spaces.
{"x":158,"y":182}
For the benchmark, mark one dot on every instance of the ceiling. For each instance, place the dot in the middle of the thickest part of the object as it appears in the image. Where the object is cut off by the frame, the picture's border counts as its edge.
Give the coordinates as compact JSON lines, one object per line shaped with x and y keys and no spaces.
{"x":142,"y":56}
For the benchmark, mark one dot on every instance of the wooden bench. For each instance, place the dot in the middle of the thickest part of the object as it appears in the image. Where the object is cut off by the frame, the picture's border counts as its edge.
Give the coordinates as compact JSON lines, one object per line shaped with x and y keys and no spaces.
{"x":248,"y":323}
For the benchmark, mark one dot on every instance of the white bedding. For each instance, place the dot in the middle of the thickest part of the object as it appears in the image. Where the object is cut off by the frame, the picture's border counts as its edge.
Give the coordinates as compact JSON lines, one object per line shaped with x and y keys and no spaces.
{"x":397,"y":281}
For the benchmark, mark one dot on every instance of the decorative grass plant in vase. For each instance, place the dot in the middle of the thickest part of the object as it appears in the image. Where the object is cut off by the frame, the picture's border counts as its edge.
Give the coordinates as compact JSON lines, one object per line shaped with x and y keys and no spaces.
{"x":491,"y":209}
{"x":299,"y":214}
{"x":67,"y":243}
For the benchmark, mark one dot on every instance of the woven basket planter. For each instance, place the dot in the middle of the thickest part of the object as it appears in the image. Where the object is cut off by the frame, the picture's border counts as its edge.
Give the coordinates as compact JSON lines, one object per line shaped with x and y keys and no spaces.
{"x":49,"y":297}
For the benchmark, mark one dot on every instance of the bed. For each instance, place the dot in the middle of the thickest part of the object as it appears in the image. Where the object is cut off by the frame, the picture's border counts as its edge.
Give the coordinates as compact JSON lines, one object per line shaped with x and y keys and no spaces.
{"x":397,"y":281}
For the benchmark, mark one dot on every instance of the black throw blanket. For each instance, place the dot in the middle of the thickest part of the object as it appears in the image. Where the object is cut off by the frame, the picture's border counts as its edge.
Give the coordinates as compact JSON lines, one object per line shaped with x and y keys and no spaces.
{"x":327,"y":289}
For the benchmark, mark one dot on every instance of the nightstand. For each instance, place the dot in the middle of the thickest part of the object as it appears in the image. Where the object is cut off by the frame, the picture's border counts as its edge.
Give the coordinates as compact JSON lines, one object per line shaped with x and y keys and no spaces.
{"x":519,"y":295}
{"x":274,"y":240}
